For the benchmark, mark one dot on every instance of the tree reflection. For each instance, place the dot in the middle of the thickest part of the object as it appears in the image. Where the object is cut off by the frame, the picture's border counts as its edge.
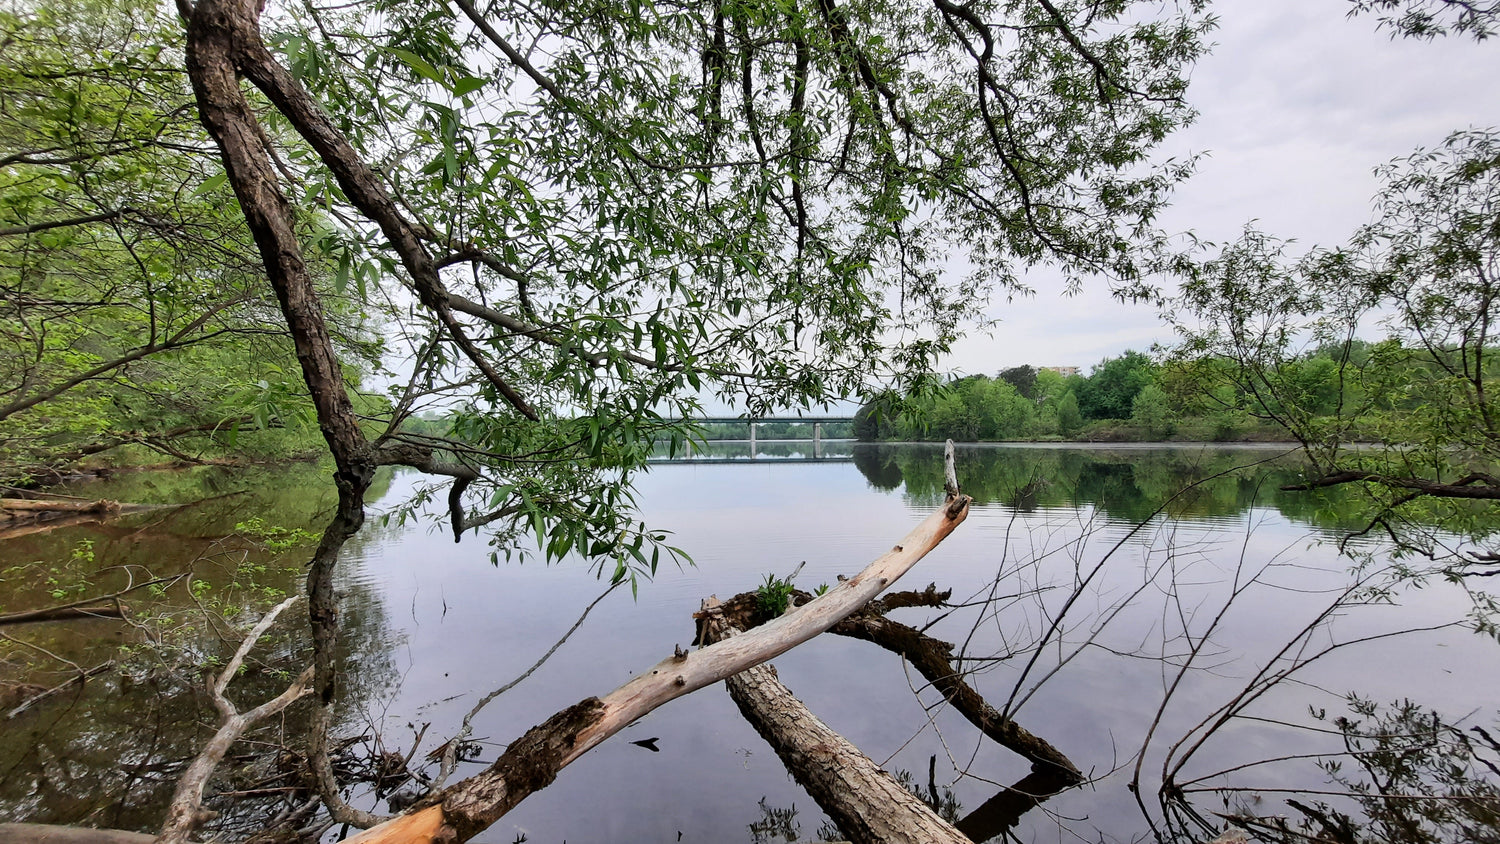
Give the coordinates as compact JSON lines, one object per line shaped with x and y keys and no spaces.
{"x":1126,"y":485}
{"x":108,"y":752}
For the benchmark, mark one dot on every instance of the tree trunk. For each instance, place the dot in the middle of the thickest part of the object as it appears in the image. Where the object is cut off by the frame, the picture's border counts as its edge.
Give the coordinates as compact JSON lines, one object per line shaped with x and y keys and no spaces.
{"x":868,"y":805}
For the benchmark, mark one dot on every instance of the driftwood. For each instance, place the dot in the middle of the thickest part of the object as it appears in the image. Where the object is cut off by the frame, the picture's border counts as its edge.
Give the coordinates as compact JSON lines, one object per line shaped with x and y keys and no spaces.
{"x":465,"y":809}
{"x":933,"y":659}
{"x":98,"y":606}
{"x":36,"y":833}
{"x":867,"y":804}
{"x":22,"y":516}
{"x":32,"y":505}
{"x":186,"y":811}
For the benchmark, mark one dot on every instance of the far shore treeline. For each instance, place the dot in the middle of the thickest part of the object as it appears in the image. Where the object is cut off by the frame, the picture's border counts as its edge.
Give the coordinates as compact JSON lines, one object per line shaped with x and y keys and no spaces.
{"x":1133,"y":398}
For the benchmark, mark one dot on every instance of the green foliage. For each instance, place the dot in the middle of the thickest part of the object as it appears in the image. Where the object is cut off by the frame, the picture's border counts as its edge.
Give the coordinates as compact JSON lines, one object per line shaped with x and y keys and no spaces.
{"x":1416,"y":778}
{"x":134,"y":309}
{"x":1277,"y":337}
{"x":275,"y":538}
{"x":1110,"y":390}
{"x":774,"y":596}
{"x":1151,"y":411}
{"x":1069,"y":417}
{"x":1429,"y":19}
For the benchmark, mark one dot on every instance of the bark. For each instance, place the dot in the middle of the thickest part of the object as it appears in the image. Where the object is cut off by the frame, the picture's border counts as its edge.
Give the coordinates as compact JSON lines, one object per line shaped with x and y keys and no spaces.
{"x":36,"y":833}
{"x":866,"y":803}
{"x":933,"y":659}
{"x":28,"y":505}
{"x":465,"y":809}
{"x":217,"y":33}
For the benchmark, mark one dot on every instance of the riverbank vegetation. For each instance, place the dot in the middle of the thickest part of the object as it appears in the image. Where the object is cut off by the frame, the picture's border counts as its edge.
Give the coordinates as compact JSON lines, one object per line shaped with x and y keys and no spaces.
{"x":575,"y":225}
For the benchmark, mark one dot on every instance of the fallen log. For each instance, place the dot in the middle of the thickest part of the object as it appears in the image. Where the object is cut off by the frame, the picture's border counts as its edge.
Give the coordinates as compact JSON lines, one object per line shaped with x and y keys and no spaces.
{"x":36,"y":833}
{"x":94,"y":606}
{"x":467,"y":808}
{"x":868,"y":804}
{"x":17,"y":528}
{"x":22,"y":516}
{"x":35,"y":505}
{"x":933,"y":659}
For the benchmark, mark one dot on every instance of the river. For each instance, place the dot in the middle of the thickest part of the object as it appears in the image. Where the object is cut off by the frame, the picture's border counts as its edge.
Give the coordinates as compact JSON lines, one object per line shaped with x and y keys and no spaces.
{"x":1086,"y":577}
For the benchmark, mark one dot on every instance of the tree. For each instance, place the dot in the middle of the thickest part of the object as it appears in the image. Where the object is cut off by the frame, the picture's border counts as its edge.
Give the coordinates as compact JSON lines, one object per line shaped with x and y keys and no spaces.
{"x":1152,"y":412}
{"x":1069,"y":417}
{"x":1426,"y":269}
{"x":709,"y":199}
{"x":1023,"y":378}
{"x":1111,"y":388}
{"x":132,"y":308}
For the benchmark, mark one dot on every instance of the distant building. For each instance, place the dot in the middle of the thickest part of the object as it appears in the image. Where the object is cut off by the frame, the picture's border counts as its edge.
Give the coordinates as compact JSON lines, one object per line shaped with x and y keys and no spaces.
{"x":1064,"y":371}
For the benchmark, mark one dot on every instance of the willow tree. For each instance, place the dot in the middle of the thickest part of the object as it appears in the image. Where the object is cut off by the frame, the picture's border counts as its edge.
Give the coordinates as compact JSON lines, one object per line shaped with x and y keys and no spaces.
{"x":1425,"y":272}
{"x":598,"y":215}
{"x":133,"y":308}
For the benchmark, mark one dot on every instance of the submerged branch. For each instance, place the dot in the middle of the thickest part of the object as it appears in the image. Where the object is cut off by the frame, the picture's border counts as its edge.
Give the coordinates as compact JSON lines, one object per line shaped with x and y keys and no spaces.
{"x":866,"y":803}
{"x":533,"y":761}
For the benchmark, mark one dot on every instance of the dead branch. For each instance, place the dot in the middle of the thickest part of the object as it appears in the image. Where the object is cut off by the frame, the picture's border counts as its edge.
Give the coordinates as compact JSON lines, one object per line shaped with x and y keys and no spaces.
{"x":86,"y":605}
{"x":467,"y":808}
{"x":933,"y":658}
{"x":78,"y":679}
{"x":39,"y":833}
{"x":94,"y":610}
{"x":999,"y":814}
{"x":1476,"y":486}
{"x":866,"y":803}
{"x":186,"y":811}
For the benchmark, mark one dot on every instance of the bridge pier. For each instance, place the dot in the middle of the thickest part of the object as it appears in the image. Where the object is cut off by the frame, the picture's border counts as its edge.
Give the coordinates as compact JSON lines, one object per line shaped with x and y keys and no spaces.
{"x":752,"y":439}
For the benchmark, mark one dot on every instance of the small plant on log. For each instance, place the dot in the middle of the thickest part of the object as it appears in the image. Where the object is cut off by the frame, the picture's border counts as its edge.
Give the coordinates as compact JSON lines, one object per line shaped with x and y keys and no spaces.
{"x":773,"y":596}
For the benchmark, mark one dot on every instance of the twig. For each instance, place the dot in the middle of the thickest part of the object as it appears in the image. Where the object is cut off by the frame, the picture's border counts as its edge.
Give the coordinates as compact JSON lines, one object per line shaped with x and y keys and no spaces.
{"x":81,"y":678}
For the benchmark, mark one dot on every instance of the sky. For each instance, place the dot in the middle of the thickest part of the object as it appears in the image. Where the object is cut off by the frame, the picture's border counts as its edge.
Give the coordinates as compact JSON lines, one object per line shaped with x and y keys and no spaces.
{"x":1297,"y":105}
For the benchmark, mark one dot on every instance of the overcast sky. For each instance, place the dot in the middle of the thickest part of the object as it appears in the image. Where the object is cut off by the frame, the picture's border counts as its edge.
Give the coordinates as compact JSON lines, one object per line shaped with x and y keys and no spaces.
{"x":1298,"y":104}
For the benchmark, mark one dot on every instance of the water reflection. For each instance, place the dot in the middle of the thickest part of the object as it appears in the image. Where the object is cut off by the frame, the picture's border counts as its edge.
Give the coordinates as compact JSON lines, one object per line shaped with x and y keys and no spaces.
{"x":108,"y":752}
{"x":1126,"y":484}
{"x":1050,"y":554}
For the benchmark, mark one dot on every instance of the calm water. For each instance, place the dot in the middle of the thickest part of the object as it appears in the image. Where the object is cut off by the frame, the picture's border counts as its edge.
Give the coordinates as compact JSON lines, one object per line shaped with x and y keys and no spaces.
{"x":433,"y":626}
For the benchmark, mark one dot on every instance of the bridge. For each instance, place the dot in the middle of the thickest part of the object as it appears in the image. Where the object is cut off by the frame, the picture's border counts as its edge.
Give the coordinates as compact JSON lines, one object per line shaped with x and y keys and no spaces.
{"x":753,"y":437}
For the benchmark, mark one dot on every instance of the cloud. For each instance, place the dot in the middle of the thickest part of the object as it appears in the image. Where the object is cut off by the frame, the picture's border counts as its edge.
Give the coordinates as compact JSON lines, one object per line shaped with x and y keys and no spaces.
{"x":1298,"y":104}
